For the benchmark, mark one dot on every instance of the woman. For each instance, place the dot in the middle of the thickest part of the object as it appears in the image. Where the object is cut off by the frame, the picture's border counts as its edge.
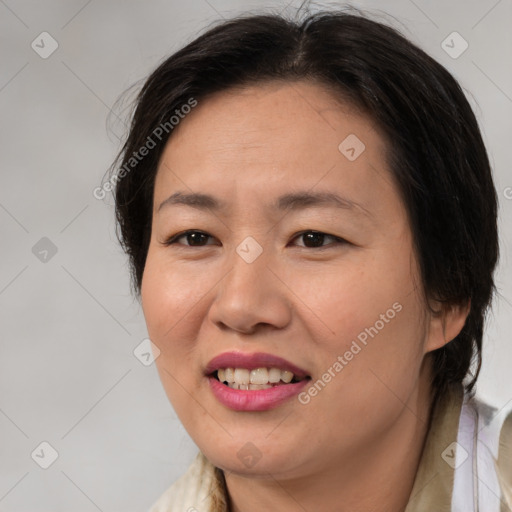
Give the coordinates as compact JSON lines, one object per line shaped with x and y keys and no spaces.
{"x":310,"y":218}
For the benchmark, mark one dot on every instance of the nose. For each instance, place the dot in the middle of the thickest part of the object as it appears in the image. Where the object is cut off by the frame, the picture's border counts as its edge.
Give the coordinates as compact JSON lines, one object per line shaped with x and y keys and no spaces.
{"x":251,"y":297}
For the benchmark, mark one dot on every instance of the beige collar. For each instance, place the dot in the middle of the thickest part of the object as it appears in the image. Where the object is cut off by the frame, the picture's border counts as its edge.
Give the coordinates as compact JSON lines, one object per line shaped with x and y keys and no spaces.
{"x":433,"y":485}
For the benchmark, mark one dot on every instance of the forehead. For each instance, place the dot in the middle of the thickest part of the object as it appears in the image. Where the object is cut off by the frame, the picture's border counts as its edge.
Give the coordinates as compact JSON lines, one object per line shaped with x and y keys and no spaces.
{"x":274,"y":135}
{"x":272,"y":115}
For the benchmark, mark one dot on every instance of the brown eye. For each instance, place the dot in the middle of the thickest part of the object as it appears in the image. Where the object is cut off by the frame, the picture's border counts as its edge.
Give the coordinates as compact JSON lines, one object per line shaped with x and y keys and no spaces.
{"x":194,"y":238}
{"x":315,"y":239}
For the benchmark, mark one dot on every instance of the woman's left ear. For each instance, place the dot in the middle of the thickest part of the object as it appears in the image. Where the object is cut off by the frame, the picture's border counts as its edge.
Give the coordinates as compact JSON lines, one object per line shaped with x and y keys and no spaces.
{"x":446,"y":324}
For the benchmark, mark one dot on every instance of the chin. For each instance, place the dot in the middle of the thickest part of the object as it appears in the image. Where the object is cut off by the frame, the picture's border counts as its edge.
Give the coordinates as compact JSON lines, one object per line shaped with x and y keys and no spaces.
{"x":249,"y":458}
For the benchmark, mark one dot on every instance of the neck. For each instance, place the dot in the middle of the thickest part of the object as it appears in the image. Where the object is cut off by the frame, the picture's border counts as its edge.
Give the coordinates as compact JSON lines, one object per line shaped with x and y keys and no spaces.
{"x":380,"y":476}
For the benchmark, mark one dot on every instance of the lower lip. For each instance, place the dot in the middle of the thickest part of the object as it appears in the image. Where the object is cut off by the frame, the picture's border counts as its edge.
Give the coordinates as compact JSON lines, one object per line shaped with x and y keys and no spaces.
{"x":255,"y":400}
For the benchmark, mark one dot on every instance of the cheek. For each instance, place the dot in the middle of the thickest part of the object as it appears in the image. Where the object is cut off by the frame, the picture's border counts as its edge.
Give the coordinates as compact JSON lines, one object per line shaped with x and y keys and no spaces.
{"x":171,"y":302}
{"x":379,"y":367}
{"x":344,"y":301}
{"x":170,"y":298}
{"x":382,"y":351}
{"x":370,"y":312}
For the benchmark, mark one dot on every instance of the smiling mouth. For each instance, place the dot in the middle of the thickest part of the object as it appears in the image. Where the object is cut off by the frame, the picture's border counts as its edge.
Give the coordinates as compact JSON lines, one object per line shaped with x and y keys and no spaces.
{"x":256,"y":379}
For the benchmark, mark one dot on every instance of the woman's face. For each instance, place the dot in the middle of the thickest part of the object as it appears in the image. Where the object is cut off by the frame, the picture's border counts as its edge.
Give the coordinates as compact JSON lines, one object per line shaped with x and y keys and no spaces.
{"x":342,"y":303}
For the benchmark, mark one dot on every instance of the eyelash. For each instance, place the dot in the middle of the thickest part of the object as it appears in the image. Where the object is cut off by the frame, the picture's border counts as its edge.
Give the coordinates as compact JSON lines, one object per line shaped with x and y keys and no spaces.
{"x":174,"y":238}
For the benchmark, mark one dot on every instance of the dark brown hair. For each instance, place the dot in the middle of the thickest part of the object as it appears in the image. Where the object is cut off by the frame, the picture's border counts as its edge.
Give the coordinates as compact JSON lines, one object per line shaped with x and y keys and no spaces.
{"x":436,"y":151}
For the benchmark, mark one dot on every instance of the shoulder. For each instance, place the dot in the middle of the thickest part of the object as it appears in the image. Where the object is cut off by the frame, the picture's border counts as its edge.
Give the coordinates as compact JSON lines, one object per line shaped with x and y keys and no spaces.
{"x":191,"y":492}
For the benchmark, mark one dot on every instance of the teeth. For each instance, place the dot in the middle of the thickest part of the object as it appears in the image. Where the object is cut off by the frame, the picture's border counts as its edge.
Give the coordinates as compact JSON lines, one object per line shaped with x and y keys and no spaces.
{"x":242,"y":376}
{"x":259,"y":378}
{"x":259,"y":386}
{"x":286,"y":376}
{"x":234,"y":385}
{"x":274,"y":375}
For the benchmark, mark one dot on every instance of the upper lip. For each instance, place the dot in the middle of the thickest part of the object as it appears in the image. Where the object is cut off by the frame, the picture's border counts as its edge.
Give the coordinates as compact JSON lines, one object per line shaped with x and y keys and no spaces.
{"x":252,"y":361}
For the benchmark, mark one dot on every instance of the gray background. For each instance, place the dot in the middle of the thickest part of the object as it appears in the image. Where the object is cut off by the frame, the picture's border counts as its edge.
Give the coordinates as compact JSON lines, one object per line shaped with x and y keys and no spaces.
{"x":68,"y":328}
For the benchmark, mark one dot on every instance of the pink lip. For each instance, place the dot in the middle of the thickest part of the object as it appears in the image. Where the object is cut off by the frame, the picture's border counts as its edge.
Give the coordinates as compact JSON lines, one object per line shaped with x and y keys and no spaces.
{"x":257,"y":400}
{"x":253,"y":400}
{"x":252,"y":361}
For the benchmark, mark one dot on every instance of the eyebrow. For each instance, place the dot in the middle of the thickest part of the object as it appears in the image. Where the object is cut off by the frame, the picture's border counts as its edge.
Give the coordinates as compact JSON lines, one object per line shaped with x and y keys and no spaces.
{"x":287,"y":202}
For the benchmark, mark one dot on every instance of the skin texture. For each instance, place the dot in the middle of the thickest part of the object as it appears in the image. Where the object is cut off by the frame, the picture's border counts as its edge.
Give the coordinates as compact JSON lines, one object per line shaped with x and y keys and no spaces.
{"x":356,"y":445}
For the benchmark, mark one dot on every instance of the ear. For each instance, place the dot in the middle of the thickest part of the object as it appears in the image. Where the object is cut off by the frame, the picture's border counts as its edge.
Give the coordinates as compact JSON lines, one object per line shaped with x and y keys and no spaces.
{"x":445,"y":324}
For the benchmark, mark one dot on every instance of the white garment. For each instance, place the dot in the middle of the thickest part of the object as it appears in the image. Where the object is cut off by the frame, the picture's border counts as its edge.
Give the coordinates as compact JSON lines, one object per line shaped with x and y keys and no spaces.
{"x":483,"y":482}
